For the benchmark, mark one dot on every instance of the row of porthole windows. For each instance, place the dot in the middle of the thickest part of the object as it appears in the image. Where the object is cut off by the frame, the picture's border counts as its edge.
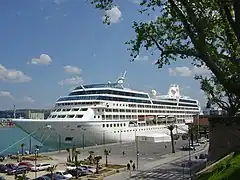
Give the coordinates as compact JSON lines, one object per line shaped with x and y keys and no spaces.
{"x":114,"y":125}
{"x":132,"y":130}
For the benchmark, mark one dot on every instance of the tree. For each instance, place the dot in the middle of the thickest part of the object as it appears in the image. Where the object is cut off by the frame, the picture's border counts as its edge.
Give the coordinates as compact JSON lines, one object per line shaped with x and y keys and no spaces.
{"x":218,"y":95}
{"x":69,"y":155}
{"x":76,"y":155}
{"x":22,"y":148}
{"x":97,"y":160}
{"x":204,"y":32}
{"x":90,"y":157}
{"x":73,"y":153}
{"x":107,"y":153}
{"x":170,"y":128}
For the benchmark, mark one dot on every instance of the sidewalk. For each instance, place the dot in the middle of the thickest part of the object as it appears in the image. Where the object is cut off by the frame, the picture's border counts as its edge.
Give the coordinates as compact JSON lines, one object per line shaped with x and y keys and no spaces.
{"x":167,"y":158}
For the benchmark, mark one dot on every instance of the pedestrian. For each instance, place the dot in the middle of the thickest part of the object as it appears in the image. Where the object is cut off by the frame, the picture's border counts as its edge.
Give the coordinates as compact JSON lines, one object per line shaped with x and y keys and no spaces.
{"x":128,"y":166}
{"x":123,"y":153}
{"x":133,"y":167}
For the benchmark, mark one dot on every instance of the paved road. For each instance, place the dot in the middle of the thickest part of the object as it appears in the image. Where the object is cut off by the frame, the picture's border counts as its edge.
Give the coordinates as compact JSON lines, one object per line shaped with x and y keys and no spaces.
{"x":168,"y":167}
{"x":172,"y":170}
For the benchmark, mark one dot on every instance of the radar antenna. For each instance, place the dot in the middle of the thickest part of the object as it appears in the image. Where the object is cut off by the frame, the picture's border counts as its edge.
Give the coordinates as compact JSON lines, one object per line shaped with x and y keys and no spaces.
{"x":121,"y":79}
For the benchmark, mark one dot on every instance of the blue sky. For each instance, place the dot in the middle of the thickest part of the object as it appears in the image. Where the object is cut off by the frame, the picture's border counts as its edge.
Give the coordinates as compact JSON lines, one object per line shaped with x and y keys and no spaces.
{"x":49,"y":46}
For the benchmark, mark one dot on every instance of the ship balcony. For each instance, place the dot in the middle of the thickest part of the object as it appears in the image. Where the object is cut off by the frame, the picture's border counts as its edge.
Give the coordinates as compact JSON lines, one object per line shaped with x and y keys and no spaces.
{"x":100,"y":106}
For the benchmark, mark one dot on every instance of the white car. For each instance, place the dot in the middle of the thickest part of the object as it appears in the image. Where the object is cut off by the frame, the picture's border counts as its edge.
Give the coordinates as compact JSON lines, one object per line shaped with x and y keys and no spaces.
{"x":65,"y":174}
{"x":41,"y":167}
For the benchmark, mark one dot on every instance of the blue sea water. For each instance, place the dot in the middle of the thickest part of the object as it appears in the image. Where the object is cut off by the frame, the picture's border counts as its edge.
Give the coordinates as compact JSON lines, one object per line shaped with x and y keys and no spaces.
{"x":12,"y":138}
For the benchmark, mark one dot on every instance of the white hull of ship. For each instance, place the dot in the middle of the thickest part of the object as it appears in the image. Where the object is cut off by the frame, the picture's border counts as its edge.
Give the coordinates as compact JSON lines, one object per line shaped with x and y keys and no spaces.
{"x":53,"y":133}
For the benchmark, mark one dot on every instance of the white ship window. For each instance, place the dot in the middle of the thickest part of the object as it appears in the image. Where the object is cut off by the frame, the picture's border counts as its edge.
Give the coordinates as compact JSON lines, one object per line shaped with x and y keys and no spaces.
{"x":110,"y":125}
{"x":128,"y":110}
{"x":103,"y":125}
{"x":107,"y":125}
{"x":117,"y":125}
{"x":71,"y":116}
{"x":114,"y":125}
{"x":75,"y":109}
{"x":124,"y":124}
{"x":54,"y":116}
{"x":94,"y":116}
{"x":103,"y":117}
{"x":121,"y":125}
{"x":98,"y":116}
{"x":58,"y":110}
{"x":79,"y":116}
{"x":84,"y":109}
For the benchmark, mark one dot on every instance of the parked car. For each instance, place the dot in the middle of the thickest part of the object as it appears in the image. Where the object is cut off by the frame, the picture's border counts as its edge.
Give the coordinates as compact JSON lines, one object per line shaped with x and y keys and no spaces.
{"x":10,"y":167}
{"x":56,"y":176}
{"x":41,"y":167}
{"x":203,"y":156}
{"x":89,"y":168}
{"x":43,"y":178}
{"x":65,"y":174}
{"x":28,"y":164}
{"x":75,"y":172}
{"x":18,"y":170}
{"x":2,"y":168}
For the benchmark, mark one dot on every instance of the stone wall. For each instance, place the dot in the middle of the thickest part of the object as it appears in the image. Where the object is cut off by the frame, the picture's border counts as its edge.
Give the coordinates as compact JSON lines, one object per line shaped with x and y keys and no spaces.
{"x":224,"y":136}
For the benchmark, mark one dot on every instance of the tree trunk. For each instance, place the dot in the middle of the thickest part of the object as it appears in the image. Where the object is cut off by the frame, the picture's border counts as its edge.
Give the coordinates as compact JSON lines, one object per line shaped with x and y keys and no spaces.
{"x":173,"y":149}
{"x":106,"y":161}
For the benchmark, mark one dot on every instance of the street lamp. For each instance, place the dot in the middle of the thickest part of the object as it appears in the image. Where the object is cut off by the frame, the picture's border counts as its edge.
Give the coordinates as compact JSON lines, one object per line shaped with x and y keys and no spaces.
{"x":35,"y":162}
{"x":137,"y":148}
{"x":189,"y":156}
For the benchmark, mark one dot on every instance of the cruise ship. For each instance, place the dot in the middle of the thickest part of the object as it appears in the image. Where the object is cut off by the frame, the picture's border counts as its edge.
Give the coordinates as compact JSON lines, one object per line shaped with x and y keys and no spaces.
{"x":107,"y":113}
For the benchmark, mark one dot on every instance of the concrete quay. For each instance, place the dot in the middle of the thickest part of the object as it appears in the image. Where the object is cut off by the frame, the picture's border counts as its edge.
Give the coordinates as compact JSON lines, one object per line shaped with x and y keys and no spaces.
{"x":149,"y":153}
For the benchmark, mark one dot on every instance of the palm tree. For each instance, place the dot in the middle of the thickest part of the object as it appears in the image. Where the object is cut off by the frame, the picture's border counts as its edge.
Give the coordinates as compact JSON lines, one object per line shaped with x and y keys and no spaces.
{"x":73,"y":153}
{"x":97,"y":160}
{"x":106,"y":153}
{"x":69,"y":155}
{"x":77,"y":164}
{"x":51,"y":170}
{"x":170,"y":128}
{"x":76,"y":155}
{"x":22,"y":146}
{"x":90,"y":157}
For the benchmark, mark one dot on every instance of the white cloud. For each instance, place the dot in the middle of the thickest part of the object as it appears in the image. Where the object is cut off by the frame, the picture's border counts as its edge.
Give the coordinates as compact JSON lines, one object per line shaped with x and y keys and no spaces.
{"x":12,"y":99}
{"x":136,"y":1}
{"x":12,"y":75}
{"x":114,"y":15}
{"x":72,"y":69}
{"x":27,"y":99}
{"x":6,"y":94}
{"x":71,"y":81}
{"x":143,"y":58}
{"x":47,"y":17}
{"x":43,"y":59}
{"x":186,"y":71}
{"x":58,"y":1}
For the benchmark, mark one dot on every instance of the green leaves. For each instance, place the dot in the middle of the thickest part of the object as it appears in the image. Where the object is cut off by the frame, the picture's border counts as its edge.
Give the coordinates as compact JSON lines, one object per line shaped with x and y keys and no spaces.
{"x":206,"y":32}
